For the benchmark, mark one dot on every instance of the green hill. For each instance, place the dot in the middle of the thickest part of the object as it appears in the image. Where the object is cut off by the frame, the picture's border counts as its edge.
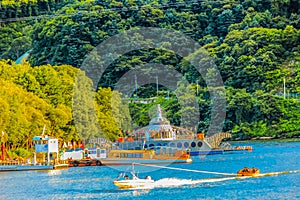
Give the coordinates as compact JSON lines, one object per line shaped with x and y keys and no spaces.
{"x":254,"y":44}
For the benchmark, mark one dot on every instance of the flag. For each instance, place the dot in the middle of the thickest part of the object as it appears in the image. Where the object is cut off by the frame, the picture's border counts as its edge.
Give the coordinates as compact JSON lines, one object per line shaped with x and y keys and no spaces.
{"x":81,"y":145}
{"x":70,"y":145}
{"x":144,"y":144}
{"x":74,"y":145}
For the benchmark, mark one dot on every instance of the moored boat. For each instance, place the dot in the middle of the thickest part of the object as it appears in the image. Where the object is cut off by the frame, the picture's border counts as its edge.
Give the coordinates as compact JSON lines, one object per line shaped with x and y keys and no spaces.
{"x":161,"y":135}
{"x":84,"y":157}
{"x":127,"y":157}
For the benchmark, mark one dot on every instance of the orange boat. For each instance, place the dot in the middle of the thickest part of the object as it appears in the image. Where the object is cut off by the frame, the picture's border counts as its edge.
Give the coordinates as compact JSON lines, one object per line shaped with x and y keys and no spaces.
{"x":248,"y":172}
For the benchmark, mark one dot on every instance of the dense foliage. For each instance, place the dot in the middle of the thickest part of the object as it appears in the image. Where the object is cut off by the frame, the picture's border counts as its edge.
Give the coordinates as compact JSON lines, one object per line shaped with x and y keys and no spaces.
{"x":254,"y":43}
{"x":32,"y":98}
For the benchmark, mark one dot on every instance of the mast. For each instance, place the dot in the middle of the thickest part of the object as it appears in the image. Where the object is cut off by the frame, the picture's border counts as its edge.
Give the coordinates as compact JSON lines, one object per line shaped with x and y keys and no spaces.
{"x":158,"y":114}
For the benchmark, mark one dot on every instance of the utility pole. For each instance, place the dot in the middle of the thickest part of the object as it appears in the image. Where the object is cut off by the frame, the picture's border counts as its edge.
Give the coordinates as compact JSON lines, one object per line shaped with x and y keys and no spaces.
{"x":197,"y":87}
{"x":136,"y":87}
{"x":284,"y":93}
{"x":156,"y":86}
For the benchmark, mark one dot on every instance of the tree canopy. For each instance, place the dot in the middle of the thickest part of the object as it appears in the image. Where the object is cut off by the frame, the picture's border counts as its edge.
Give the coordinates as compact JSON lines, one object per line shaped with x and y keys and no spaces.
{"x":255,"y":46}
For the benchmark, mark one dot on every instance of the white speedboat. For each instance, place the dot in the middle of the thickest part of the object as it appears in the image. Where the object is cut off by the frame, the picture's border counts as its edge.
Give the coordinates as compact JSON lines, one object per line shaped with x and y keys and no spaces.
{"x":125,"y":182}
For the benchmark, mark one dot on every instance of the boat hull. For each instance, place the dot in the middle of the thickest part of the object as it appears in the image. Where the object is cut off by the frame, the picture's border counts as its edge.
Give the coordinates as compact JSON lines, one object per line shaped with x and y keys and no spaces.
{"x":141,"y":161}
{"x":5,"y":168}
{"x":136,"y":183}
{"x":204,"y":153}
{"x":196,"y":147}
{"x":28,"y":167}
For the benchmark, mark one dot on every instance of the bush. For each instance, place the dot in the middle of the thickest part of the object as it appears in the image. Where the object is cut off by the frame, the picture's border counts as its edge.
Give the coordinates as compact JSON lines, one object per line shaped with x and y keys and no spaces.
{"x":21,"y":152}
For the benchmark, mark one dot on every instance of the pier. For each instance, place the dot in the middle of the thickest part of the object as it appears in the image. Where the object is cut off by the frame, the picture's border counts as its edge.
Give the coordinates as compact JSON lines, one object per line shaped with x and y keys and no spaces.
{"x":43,"y":145}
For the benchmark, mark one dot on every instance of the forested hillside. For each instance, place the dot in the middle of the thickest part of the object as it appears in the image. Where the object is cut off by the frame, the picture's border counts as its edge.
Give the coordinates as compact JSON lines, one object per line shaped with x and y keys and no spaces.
{"x":255,"y":45}
{"x":32,"y":98}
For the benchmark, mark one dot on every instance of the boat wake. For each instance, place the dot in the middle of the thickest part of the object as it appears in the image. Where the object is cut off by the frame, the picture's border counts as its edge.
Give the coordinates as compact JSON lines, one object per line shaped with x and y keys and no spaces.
{"x":54,"y":172}
{"x":278,"y":173}
{"x":174,"y":182}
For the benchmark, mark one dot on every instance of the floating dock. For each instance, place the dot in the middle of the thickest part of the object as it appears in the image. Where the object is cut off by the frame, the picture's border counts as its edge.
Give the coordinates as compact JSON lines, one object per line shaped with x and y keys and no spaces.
{"x":15,"y":166}
{"x":239,"y":148}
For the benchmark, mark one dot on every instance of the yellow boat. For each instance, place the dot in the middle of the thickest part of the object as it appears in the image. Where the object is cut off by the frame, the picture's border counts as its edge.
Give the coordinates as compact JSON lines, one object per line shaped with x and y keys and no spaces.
{"x":127,"y":157}
{"x":248,"y":171}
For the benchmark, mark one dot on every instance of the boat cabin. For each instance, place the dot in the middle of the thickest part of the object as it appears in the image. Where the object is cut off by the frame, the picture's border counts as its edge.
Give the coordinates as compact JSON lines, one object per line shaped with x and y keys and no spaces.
{"x":95,"y":153}
{"x":44,"y":144}
{"x":87,"y":153}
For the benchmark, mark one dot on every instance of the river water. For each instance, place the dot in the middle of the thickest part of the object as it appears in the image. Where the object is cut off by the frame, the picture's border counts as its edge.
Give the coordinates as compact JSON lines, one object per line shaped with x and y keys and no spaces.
{"x":96,"y":182}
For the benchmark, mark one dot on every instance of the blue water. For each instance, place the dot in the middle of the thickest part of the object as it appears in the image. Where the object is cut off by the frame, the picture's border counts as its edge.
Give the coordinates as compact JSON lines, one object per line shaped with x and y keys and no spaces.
{"x":96,"y":182}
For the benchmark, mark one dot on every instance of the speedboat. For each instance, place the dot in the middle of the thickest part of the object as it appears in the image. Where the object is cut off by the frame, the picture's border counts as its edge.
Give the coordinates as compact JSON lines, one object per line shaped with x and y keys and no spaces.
{"x":134,"y":182}
{"x":248,"y":171}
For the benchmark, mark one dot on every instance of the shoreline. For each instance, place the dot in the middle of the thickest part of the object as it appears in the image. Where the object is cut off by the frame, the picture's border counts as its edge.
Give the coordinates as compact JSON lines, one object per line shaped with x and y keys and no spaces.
{"x":268,"y":140}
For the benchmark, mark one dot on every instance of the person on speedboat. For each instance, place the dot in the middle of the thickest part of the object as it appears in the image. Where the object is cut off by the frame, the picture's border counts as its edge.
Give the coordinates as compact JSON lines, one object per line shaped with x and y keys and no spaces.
{"x":126,"y":177}
{"x":246,"y":169}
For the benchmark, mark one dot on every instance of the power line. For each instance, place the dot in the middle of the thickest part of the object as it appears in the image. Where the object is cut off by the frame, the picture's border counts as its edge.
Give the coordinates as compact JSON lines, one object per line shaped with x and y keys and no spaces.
{"x":118,"y":9}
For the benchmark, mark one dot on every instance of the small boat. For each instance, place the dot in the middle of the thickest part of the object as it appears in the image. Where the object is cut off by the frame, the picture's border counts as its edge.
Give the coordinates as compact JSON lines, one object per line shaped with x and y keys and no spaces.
{"x":248,"y":171}
{"x":124,"y":182}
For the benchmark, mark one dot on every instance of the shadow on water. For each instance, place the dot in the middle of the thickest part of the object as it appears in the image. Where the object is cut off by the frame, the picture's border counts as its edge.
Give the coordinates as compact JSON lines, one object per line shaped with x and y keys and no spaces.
{"x":98,"y":191}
